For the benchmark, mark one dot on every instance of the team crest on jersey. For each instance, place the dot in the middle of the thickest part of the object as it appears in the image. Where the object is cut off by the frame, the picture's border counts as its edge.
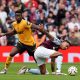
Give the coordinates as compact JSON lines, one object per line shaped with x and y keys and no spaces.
{"x":28,"y":23}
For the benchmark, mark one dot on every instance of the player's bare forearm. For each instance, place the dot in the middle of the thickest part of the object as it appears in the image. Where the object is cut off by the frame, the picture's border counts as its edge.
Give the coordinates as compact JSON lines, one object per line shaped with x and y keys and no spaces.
{"x":47,"y":34}
{"x":43,"y":31}
{"x":10,"y":33}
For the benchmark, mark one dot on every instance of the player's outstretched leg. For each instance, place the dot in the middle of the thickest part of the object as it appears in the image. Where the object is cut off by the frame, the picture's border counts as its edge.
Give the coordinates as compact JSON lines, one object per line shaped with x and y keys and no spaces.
{"x":36,"y":71}
{"x":59,"y":64}
{"x":22,"y":70}
{"x":9,"y":59}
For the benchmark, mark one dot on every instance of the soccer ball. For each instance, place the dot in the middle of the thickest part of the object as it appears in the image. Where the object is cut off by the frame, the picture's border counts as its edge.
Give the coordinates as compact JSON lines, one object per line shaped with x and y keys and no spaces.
{"x":72,"y":70}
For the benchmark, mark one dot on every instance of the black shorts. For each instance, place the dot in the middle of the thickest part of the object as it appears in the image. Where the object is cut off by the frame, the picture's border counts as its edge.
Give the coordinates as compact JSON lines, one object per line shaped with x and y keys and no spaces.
{"x":22,"y":47}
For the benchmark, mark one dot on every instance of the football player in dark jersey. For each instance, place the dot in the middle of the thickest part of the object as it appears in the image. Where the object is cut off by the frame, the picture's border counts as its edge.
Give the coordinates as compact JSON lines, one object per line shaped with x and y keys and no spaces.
{"x":44,"y":51}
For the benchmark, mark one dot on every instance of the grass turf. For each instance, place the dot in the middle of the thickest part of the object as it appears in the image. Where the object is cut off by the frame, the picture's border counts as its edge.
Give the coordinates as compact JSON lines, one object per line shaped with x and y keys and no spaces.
{"x":14,"y":67}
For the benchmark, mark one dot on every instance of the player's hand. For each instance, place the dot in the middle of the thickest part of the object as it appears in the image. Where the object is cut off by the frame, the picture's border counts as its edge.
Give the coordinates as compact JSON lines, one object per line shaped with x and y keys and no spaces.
{"x":41,"y":26}
{"x":2,"y":34}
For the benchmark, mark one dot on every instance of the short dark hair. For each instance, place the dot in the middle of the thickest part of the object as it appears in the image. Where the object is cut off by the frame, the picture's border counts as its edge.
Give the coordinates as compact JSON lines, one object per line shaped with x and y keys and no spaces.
{"x":68,"y":41}
{"x":18,"y":11}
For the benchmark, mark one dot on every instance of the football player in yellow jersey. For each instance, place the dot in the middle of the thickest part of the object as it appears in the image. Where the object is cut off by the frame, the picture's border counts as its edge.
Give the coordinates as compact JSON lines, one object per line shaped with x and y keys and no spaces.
{"x":23,"y":29}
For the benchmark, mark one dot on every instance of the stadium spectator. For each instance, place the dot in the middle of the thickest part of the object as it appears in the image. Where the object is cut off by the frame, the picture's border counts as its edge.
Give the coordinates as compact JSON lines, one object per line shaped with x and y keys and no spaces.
{"x":11,"y":11}
{"x":73,"y":23}
{"x":73,"y":38}
{"x":41,"y":18}
{"x":4,"y":3}
{"x":2,"y":12}
{"x":20,"y":5}
{"x":12,"y":41}
{"x":3,"y":39}
{"x":31,"y":3}
{"x":64,"y":34}
{"x":67,"y":16}
{"x":61,"y":14}
{"x":55,"y":12}
{"x":33,"y":16}
{"x":25,"y":15}
{"x":72,"y":6}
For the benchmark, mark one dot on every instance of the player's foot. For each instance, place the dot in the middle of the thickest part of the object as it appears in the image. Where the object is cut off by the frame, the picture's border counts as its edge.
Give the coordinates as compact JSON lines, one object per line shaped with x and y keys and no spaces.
{"x":53,"y":73}
{"x":4,"y":71}
{"x":61,"y":74}
{"x":22,"y":70}
{"x":47,"y":72}
{"x":58,"y":72}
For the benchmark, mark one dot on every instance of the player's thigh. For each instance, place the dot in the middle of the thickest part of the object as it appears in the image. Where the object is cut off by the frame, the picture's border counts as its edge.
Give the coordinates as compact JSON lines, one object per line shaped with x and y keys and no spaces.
{"x":40,"y":61}
{"x":19,"y":48}
{"x":56,"y":54}
{"x":31,"y":49}
{"x":43,"y":52}
{"x":14,"y":51}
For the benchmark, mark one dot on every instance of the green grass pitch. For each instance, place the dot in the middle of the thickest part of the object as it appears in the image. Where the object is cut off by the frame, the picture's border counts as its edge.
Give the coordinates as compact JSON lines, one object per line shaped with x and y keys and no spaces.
{"x":14,"y":67}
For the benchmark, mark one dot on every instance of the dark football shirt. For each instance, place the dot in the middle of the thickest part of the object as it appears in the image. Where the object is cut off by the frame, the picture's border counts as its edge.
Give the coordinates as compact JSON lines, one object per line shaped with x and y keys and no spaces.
{"x":50,"y":45}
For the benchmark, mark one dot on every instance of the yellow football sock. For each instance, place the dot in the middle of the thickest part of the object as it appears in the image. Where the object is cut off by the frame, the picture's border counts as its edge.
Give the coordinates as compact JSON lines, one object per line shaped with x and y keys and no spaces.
{"x":8,"y":61}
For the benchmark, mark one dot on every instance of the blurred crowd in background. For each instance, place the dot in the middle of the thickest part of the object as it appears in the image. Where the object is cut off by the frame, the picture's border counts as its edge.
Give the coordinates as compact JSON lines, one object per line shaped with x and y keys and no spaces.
{"x":58,"y":17}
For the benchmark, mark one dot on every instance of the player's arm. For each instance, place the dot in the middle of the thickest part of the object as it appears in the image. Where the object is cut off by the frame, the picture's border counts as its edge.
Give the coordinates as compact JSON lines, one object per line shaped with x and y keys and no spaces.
{"x":43,"y":31}
{"x":55,"y":40}
{"x":10,"y":33}
{"x":33,"y":26}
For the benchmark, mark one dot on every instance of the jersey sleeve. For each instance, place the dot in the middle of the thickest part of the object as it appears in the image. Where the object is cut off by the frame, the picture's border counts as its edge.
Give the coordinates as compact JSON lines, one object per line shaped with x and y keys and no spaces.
{"x":56,"y":41}
{"x":28,"y":24}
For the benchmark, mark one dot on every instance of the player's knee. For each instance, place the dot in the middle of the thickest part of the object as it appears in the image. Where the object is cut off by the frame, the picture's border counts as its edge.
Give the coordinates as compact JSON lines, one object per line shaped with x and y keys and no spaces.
{"x":12,"y":54}
{"x":43,"y":72}
{"x":42,"y":69}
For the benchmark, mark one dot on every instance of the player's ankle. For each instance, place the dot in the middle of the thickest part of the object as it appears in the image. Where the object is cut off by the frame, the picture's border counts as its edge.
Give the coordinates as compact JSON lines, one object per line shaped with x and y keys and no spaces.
{"x":6,"y":69}
{"x":53,"y":72}
{"x":58,"y":71}
{"x":27,"y":70}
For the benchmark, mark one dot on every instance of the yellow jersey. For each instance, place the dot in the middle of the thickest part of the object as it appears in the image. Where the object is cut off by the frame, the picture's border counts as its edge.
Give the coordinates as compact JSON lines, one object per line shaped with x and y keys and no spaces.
{"x":24,"y":32}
